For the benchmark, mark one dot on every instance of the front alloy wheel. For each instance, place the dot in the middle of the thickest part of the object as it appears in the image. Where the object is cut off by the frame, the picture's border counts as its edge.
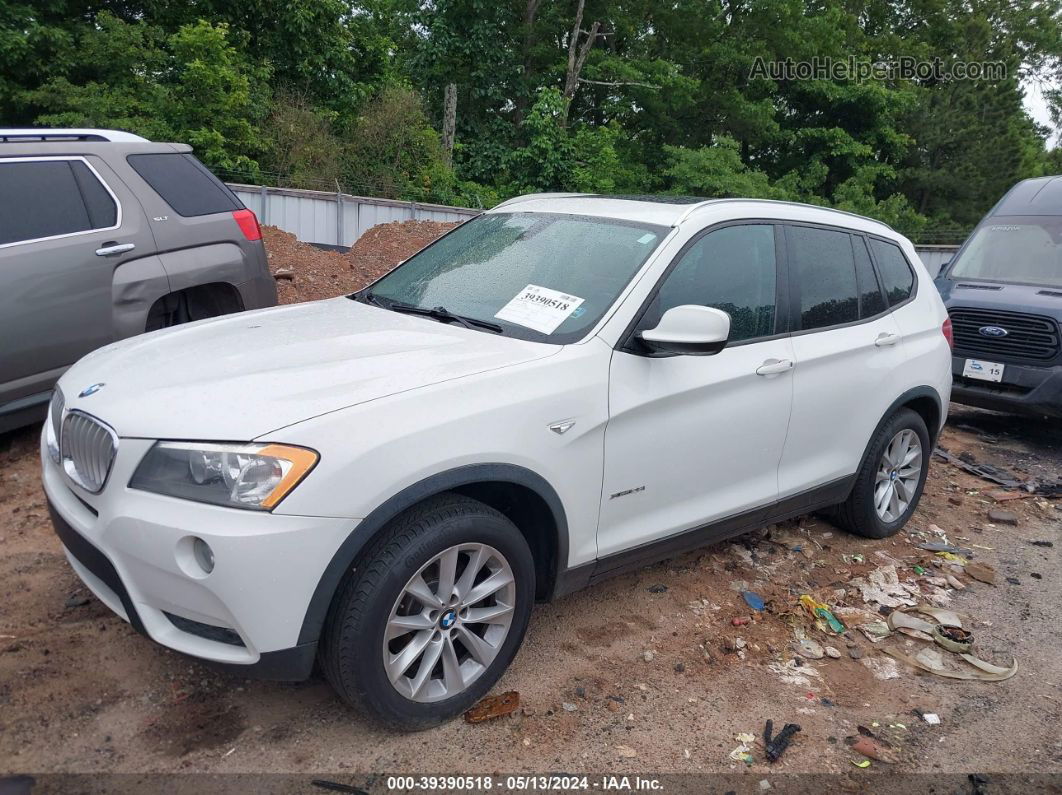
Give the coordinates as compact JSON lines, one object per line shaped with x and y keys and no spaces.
{"x":449,"y":623}
{"x":432,"y":614}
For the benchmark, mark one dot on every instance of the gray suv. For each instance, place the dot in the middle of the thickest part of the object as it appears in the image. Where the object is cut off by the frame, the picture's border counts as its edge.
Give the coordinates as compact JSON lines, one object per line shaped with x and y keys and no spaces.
{"x":104,"y":235}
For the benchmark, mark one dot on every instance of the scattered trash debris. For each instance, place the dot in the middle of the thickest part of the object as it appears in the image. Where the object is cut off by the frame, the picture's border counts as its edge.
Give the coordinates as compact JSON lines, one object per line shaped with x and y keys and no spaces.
{"x":982,"y":572}
{"x":648,"y":655}
{"x":882,"y":586}
{"x":832,"y":652}
{"x":793,"y":673}
{"x":493,"y":707}
{"x":743,"y":752}
{"x":1042,"y":543}
{"x":775,"y":746}
{"x":1003,"y":517}
{"x":936,"y":546}
{"x":967,"y":463}
{"x":933,"y":663}
{"x":659,"y":588}
{"x":932,"y":718}
{"x":626,"y":751}
{"x":861,"y":763}
{"x":753,"y":600}
{"x":335,"y":786}
{"x":954,"y":639}
{"x":821,"y":610}
{"x":284,"y":273}
{"x":569,"y":707}
{"x":881,"y":668}
{"x":872,"y":748}
{"x":1013,"y":581}
{"x":739,"y":621}
{"x":76,"y":600}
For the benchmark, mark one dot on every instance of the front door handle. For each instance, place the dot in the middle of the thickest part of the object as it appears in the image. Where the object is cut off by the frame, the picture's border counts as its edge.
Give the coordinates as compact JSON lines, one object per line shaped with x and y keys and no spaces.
{"x":111,"y":249}
{"x":774,"y":366}
{"x":885,"y":339}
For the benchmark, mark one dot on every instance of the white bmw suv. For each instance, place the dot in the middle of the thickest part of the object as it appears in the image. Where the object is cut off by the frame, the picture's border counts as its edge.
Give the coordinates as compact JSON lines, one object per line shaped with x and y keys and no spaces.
{"x":563,"y":388}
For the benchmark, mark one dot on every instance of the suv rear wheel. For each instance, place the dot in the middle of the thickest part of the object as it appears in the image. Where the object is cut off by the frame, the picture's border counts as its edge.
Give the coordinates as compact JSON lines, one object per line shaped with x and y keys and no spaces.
{"x":890,"y":482}
{"x":433,"y":616}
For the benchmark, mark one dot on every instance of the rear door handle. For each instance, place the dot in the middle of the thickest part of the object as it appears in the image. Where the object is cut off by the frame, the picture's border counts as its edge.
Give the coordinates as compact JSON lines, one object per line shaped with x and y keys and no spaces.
{"x":884,"y":339}
{"x":774,"y":366}
{"x":114,"y":248}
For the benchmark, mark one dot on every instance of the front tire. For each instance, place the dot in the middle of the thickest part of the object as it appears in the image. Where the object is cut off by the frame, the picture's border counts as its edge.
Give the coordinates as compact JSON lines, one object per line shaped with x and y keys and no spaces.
{"x":890,"y":481}
{"x":432,"y":616}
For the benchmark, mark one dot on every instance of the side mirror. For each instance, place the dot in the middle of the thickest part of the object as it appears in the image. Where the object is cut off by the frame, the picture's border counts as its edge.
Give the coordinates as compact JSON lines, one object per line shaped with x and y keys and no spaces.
{"x":689,"y":329}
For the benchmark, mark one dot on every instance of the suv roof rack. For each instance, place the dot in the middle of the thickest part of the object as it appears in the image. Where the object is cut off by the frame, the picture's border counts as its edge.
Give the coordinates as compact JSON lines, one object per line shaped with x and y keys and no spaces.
{"x":43,"y":134}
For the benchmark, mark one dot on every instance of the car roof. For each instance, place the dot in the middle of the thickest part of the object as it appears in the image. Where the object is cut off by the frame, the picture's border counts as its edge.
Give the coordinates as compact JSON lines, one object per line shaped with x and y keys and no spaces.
{"x":1039,"y":196}
{"x":31,"y":134}
{"x":665,"y":210}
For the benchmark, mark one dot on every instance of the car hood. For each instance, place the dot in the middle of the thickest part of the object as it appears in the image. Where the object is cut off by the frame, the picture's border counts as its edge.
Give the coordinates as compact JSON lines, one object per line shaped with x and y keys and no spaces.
{"x":241,"y":376}
{"x":1033,"y":299}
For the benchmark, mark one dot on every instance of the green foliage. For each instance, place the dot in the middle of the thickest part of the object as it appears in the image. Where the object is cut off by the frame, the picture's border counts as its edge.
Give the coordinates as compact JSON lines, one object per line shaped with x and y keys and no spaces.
{"x":717,"y":172}
{"x":308,"y":92}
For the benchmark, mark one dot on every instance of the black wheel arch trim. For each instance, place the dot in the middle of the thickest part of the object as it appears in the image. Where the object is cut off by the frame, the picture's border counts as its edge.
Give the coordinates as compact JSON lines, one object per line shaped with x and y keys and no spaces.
{"x":911,"y":394}
{"x":378,"y":518}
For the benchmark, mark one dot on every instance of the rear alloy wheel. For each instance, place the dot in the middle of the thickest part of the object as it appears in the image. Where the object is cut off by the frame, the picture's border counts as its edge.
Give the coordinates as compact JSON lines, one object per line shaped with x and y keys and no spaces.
{"x":898,"y":473}
{"x":890,"y":481}
{"x":433,"y":614}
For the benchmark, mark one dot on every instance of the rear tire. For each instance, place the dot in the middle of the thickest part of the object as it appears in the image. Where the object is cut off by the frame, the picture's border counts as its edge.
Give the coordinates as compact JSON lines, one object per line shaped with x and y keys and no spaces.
{"x":383,"y":628}
{"x":888,"y":486}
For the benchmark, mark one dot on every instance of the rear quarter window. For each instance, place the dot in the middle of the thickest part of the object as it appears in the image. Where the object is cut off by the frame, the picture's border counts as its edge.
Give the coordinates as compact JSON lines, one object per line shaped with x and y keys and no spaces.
{"x":896,"y":274}
{"x":185,"y":184}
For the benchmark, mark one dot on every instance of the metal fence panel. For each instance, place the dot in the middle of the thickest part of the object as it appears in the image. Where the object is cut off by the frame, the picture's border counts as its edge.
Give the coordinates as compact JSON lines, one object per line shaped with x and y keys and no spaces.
{"x":336,"y":219}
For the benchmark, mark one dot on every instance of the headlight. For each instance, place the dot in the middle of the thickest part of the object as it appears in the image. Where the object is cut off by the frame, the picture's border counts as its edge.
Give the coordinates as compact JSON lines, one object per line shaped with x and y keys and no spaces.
{"x":254,"y":476}
{"x":53,"y":424}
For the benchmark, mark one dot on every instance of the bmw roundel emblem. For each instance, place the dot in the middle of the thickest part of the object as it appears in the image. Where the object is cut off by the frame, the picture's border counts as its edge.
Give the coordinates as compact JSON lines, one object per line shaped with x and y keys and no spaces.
{"x":90,"y":390}
{"x":448,"y":620}
{"x":992,"y":331}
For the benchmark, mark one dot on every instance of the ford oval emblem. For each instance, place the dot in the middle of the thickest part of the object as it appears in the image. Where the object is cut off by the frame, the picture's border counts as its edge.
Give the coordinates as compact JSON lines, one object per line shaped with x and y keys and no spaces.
{"x":90,"y":390}
{"x":992,"y":331}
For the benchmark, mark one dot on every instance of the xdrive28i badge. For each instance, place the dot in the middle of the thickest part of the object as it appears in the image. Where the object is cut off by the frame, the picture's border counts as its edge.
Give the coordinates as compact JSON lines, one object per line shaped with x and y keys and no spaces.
{"x":91,"y":390}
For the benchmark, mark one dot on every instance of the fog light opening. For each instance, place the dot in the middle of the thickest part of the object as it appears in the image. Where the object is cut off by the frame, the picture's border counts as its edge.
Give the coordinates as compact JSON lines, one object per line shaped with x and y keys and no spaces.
{"x":204,"y":555}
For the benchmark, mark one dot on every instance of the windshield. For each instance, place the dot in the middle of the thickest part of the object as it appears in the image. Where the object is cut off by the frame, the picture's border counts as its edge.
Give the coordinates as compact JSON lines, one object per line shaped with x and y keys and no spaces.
{"x":540,"y":276}
{"x":1020,"y":249}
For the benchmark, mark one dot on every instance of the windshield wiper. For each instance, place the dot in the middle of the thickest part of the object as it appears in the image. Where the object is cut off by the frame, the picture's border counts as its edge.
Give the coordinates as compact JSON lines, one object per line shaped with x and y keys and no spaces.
{"x":438,"y":313}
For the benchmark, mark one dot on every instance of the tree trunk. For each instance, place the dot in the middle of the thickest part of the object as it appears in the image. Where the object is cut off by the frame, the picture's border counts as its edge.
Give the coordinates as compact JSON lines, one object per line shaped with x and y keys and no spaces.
{"x":576,"y":58}
{"x":522,"y":99}
{"x":449,"y":125}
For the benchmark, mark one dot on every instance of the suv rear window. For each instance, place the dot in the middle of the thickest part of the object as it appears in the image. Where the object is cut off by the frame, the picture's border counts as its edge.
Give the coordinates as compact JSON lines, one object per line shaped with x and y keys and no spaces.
{"x":185,"y":184}
{"x":48,"y":198}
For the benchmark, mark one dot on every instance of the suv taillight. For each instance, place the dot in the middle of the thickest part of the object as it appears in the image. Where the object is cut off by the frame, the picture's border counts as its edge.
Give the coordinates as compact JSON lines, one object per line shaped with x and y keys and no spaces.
{"x":248,"y":224}
{"x":946,"y":330}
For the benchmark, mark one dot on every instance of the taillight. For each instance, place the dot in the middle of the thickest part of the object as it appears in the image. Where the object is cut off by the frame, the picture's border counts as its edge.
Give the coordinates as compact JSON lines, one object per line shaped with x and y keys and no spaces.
{"x":946,"y":330}
{"x":248,"y":224}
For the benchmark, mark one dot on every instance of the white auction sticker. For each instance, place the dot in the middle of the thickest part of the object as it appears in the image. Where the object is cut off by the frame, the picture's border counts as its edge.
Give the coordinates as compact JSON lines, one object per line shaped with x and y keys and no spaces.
{"x":539,"y":308}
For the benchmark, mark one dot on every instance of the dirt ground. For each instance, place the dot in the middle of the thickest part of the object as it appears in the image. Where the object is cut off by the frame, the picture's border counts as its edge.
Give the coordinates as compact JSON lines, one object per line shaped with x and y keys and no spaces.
{"x":653,"y":671}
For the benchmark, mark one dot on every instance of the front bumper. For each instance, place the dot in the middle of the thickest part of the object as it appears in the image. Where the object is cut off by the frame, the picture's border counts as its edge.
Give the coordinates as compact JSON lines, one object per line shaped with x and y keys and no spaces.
{"x":130,"y":549}
{"x":1035,"y":391}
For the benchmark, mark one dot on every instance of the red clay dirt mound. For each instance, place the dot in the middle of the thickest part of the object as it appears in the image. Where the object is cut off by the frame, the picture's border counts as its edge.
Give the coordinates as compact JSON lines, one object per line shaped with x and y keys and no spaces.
{"x":385,"y":245}
{"x":315,"y":273}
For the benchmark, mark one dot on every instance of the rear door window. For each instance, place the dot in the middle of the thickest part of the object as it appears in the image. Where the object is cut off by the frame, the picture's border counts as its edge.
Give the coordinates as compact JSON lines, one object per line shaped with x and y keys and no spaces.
{"x":185,"y":184}
{"x":824,"y":275}
{"x":50,"y":198}
{"x":896,"y":273}
{"x":871,"y":301}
